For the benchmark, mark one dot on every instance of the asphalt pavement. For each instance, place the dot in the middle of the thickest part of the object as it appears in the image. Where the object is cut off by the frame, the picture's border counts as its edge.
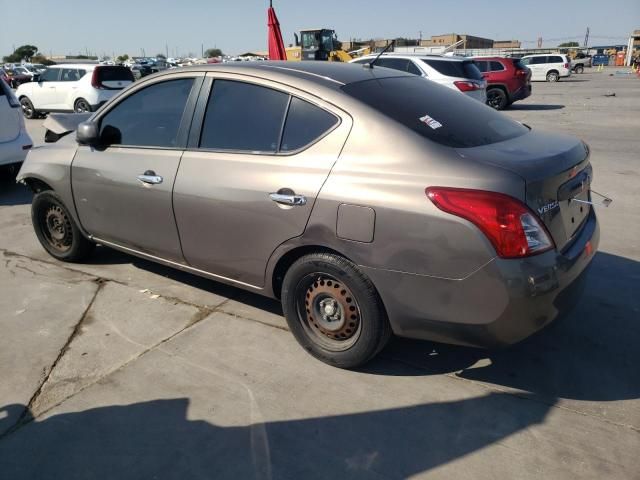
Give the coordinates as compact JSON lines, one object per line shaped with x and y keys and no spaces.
{"x":121,"y":368}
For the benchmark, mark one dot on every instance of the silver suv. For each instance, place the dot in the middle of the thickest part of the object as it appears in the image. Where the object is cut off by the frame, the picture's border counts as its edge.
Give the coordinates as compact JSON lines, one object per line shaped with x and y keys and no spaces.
{"x":460,"y":74}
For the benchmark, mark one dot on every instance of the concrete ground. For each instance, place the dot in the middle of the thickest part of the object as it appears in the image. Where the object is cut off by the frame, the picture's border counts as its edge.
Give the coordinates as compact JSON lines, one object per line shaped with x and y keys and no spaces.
{"x":120,"y":368}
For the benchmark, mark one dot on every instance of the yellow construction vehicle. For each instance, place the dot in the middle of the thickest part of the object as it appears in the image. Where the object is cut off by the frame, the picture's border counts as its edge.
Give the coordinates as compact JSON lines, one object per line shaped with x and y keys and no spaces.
{"x":322,"y":44}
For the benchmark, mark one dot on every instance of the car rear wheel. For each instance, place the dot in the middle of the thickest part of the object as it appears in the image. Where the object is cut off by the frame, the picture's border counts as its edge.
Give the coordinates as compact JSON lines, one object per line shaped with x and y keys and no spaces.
{"x":553,"y":76}
{"x":334,"y":311}
{"x":579,"y":69}
{"x":81,"y":106}
{"x":56,"y":230}
{"x":497,"y":98}
{"x":27,"y":109}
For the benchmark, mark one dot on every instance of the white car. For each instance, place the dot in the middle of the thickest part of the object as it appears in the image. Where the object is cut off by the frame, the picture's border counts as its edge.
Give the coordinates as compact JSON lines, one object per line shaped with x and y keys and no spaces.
{"x":72,"y":88}
{"x":549,"y":67}
{"x":458,"y":73}
{"x":14,"y":139}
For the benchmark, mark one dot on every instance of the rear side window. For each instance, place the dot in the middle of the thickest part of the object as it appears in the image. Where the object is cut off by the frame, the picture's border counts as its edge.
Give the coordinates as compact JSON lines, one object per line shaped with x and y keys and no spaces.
{"x":150,"y":117}
{"x":242,"y":116}
{"x":305,"y":123}
{"x":464,"y":69}
{"x":482,"y":66}
{"x":555,"y":59}
{"x":435,"y":112}
{"x":114,"y":74}
{"x":495,"y":66}
{"x":538,"y":60}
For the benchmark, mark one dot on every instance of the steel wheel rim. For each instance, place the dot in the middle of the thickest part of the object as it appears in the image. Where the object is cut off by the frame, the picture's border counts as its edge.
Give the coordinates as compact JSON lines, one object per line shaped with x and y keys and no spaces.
{"x":56,"y":228}
{"x":81,"y":107}
{"x":328,"y":311}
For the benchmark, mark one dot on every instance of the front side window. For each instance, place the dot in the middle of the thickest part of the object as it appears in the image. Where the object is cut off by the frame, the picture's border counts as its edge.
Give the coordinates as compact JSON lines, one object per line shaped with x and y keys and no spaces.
{"x":150,"y":117}
{"x":305,"y":124}
{"x":50,"y":75}
{"x":243,"y":117}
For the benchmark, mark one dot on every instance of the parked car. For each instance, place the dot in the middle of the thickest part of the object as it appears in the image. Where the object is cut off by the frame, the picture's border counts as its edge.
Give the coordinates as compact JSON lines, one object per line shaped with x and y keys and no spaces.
{"x":72,"y":88}
{"x":549,"y":67}
{"x":508,"y":80}
{"x":368,"y":201}
{"x":16,"y":79}
{"x":457,"y":73}
{"x":22,"y":70}
{"x":14,"y":139}
{"x":581,"y":62}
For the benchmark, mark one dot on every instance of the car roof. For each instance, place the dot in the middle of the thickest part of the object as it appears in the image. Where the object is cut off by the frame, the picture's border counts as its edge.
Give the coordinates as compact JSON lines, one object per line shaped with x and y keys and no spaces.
{"x":328,"y":74}
{"x":543,"y":54}
{"x":417,"y":55}
{"x":74,"y":65}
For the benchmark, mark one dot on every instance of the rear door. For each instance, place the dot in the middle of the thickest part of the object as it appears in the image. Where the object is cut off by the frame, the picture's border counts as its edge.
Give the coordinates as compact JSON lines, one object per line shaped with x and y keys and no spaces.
{"x":66,"y":86}
{"x":249,"y":179}
{"x":123,"y":190}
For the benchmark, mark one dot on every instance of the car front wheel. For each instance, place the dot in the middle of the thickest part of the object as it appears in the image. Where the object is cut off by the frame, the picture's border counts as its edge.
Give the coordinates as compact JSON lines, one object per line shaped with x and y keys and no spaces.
{"x":334,"y":311}
{"x":56,"y":230}
{"x":28,"y":110}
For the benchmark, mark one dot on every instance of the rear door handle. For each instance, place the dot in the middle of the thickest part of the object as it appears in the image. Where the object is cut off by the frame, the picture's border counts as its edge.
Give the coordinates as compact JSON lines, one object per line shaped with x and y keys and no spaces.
{"x":150,"y":177}
{"x":288,"y":199}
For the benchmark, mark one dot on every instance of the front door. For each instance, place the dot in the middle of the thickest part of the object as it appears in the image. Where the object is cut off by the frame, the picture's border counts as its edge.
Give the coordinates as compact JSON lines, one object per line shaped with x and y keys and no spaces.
{"x":123,"y":190}
{"x":44,"y":91}
{"x":250,"y":181}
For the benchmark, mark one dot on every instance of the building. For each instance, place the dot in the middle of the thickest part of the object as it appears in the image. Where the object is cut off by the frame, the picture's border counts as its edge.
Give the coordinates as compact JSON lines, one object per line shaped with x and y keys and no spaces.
{"x":506,"y":44}
{"x":468,"y":41}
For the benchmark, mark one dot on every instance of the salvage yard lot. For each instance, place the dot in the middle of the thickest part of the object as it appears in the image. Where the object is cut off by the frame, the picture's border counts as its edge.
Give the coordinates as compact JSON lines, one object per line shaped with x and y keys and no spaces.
{"x":125,"y":369}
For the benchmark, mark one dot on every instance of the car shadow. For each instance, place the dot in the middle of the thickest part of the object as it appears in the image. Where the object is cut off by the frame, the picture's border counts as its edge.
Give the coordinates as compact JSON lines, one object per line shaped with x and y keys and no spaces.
{"x":592,"y":354}
{"x":533,"y":106}
{"x":159,"y":439}
{"x":12,"y":193}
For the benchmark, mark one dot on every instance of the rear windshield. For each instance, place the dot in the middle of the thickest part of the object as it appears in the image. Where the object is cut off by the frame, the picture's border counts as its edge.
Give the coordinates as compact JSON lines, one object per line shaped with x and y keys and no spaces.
{"x":464,"y":69}
{"x":110,"y":74}
{"x":518,"y":63}
{"x":438,"y":113}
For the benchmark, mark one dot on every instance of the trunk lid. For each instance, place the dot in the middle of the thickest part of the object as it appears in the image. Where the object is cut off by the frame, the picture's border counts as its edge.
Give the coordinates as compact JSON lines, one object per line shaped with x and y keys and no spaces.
{"x":556,"y":170}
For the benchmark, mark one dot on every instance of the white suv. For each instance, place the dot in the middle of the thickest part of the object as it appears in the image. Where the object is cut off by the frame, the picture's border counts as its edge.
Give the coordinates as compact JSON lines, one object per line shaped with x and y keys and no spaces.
{"x":549,"y":67}
{"x":72,"y":88}
{"x":460,"y":74}
{"x":14,"y":139}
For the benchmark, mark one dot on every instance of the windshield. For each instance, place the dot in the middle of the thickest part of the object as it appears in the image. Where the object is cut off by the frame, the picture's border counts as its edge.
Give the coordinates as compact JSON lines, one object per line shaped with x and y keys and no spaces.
{"x":435,"y":112}
{"x":310,"y":40}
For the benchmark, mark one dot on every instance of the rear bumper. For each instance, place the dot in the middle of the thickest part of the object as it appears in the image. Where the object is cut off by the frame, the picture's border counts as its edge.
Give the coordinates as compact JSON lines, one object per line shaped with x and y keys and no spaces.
{"x":13,"y":151}
{"x":500,"y":304}
{"x":521,"y":93}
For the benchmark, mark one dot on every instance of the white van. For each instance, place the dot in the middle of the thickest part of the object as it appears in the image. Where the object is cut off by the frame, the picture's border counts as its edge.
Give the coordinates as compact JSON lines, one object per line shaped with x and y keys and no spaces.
{"x":549,"y":67}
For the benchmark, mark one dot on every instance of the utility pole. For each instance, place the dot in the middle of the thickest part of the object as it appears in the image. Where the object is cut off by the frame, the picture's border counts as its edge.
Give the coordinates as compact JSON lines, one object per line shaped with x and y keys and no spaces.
{"x":166,"y":49}
{"x":202,"y":50}
{"x":586,"y":39}
{"x":539,"y":42}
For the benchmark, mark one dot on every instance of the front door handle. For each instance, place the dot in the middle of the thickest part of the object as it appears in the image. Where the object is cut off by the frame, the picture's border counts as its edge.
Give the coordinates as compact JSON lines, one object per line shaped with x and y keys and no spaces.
{"x":288,"y":199}
{"x":150,"y":177}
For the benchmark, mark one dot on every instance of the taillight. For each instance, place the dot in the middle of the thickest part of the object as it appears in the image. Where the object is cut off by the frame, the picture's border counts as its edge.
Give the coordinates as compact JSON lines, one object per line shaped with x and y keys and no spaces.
{"x":95,"y":81}
{"x":566,"y":65}
{"x":513,"y":229}
{"x":465,"y":86}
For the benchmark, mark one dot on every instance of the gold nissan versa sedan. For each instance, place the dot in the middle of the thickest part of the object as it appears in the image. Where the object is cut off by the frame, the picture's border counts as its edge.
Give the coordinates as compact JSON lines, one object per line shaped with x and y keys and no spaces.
{"x":368,"y":200}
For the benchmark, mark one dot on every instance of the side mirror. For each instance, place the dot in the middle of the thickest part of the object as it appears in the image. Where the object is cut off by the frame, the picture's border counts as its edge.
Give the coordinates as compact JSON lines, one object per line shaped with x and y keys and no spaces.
{"x":88,"y":134}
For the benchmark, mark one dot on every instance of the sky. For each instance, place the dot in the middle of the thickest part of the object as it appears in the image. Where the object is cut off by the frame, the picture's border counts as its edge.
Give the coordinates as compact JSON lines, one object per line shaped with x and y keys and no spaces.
{"x":180,"y":27}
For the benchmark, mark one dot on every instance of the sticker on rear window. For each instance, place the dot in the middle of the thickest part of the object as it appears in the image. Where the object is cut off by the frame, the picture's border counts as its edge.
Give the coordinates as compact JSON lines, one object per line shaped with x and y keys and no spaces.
{"x":427,"y":120}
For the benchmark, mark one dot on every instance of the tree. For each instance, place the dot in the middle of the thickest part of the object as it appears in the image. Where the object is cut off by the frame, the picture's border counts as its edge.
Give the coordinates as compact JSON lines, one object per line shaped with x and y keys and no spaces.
{"x":24,"y":52}
{"x":42,"y":60}
{"x":212,"y":52}
{"x":161,"y":56}
{"x":123,"y":58}
{"x":569,"y":44}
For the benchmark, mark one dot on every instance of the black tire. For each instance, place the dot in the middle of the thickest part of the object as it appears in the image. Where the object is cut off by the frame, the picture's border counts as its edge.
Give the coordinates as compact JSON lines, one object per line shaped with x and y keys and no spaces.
{"x":553,"y":76}
{"x":81,"y":106}
{"x":334,"y":311}
{"x":28,"y":110}
{"x":579,"y":69}
{"x":497,"y":98}
{"x":56,"y":230}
